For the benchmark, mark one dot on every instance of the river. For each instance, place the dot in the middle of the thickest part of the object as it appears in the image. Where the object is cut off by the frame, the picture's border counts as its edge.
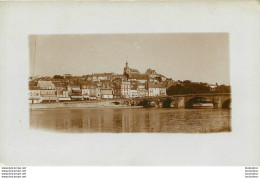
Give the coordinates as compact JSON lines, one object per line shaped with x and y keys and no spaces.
{"x":118,"y":120}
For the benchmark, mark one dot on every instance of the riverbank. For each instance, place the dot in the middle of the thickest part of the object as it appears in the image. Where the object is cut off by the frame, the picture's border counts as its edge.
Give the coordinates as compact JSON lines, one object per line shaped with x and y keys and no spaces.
{"x":83,"y":104}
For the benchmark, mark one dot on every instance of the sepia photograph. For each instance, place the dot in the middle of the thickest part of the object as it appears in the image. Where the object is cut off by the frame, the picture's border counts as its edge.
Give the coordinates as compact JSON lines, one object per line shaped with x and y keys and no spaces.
{"x":129,"y":84}
{"x":117,"y":83}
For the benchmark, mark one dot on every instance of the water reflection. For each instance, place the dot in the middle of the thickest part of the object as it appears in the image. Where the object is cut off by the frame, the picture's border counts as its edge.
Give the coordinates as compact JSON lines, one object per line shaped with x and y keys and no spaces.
{"x":149,"y":120}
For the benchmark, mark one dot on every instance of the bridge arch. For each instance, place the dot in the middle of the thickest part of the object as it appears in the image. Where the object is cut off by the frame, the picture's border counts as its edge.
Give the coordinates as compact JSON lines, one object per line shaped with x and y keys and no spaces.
{"x":197,"y":99}
{"x":168,"y":103}
{"x":145,"y":103}
{"x":227,"y":103}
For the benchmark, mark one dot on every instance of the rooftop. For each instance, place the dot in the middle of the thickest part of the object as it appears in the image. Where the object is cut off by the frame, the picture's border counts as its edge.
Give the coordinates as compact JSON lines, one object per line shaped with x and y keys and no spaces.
{"x":139,"y":76}
{"x":155,"y":85}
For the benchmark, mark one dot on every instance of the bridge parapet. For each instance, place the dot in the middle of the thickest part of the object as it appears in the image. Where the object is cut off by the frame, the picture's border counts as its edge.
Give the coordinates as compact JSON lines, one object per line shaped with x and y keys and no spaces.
{"x":218,"y":99}
{"x":201,"y":94}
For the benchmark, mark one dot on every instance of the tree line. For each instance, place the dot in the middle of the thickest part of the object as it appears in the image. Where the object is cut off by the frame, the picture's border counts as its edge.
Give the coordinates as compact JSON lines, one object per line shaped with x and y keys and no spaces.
{"x":188,"y":87}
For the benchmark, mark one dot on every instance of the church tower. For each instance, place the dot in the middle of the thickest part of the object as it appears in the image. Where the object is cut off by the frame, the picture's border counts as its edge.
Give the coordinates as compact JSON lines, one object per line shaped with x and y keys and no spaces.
{"x":126,"y":70}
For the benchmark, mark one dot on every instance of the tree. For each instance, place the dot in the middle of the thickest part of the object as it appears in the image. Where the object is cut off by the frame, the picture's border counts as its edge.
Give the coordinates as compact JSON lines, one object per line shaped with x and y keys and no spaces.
{"x":187,"y":88}
{"x":223,"y":89}
{"x":58,"y":77}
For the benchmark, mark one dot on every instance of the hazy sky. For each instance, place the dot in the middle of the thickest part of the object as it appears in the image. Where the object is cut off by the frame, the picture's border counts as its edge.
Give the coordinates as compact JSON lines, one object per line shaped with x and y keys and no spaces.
{"x":201,"y":57}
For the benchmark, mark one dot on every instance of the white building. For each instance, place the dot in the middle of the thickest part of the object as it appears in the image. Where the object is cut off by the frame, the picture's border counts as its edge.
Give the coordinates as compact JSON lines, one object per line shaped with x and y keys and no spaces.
{"x":49,"y":95}
{"x":48,"y":85}
{"x":63,"y":95}
{"x":48,"y":92}
{"x":142,"y":92}
{"x":155,"y":89}
{"x":152,"y":73}
{"x":162,"y":91}
{"x":133,"y":93}
{"x":85,"y":91}
{"x":34,"y":95}
{"x":106,"y":93}
{"x":125,"y":89}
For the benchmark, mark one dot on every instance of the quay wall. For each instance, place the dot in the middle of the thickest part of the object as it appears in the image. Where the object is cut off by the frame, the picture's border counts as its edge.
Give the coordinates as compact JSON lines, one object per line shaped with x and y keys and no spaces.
{"x":86,"y":104}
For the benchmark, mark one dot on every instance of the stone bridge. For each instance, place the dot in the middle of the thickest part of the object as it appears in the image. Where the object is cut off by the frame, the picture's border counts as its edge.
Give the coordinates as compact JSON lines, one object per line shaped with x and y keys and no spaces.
{"x":220,"y":100}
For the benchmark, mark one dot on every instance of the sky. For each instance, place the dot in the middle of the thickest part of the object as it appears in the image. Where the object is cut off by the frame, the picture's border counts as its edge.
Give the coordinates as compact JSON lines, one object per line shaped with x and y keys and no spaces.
{"x":199,"y":57}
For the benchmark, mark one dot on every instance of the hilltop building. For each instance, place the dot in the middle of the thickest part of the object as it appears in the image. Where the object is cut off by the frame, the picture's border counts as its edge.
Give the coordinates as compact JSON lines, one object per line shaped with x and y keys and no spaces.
{"x":46,"y":85}
{"x":128,"y":72}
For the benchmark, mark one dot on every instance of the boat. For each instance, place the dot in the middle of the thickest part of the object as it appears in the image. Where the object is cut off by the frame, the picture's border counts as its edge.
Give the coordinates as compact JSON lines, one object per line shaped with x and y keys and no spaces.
{"x":199,"y":103}
{"x":147,"y":104}
{"x":152,"y":104}
{"x":168,"y":103}
{"x":202,"y":105}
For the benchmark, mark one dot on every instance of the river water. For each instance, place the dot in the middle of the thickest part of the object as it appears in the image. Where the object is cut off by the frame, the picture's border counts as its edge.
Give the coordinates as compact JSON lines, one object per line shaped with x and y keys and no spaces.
{"x":116,"y":120}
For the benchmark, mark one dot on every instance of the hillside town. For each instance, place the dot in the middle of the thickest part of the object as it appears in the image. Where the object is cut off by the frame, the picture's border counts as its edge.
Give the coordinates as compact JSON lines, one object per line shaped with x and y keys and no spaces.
{"x":99,"y":86}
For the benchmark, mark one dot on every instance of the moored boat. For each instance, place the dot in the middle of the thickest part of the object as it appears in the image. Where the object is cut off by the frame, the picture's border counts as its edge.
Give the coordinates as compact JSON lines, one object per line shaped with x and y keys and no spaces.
{"x":199,"y":102}
{"x":203,"y":105}
{"x":168,"y":103}
{"x":147,"y":104}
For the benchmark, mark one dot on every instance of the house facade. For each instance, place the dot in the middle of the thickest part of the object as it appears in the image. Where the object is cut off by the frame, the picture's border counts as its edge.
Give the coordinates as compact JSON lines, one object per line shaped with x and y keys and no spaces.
{"x":156,"y":89}
{"x":34,"y":94}
{"x":125,"y":89}
{"x":106,"y":93}
{"x":48,"y":85}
